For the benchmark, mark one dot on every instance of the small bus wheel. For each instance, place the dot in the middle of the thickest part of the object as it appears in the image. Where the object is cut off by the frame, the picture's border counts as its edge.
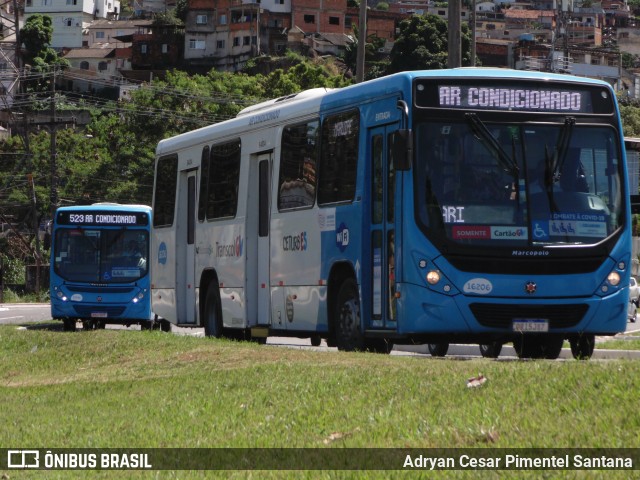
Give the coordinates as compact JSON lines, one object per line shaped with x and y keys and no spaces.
{"x":490,"y":350}
{"x":438,"y":349}
{"x":212,"y":313}
{"x":349,"y":336}
{"x":582,"y":347}
{"x":316,"y":340}
{"x":69,"y":324}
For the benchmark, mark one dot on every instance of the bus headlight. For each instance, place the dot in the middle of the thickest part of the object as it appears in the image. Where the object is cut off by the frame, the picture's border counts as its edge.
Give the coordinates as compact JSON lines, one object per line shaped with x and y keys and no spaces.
{"x":433,"y":277}
{"x":613,"y":279}
{"x":138,"y":297}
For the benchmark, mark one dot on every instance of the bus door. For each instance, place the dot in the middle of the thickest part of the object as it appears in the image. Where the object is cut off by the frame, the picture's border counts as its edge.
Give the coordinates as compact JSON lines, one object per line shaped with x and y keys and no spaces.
{"x":258,"y":241}
{"x":382,"y":218}
{"x":185,"y":249}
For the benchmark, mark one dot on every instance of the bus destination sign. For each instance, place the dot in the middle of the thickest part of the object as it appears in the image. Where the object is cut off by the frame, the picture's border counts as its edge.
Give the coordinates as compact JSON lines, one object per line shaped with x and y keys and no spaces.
{"x":514,"y":97}
{"x":103,"y":218}
{"x":453,"y":96}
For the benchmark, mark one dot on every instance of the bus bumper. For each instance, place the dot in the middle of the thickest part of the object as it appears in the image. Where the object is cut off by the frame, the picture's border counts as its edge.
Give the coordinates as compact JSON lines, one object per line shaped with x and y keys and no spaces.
{"x":424,"y":311}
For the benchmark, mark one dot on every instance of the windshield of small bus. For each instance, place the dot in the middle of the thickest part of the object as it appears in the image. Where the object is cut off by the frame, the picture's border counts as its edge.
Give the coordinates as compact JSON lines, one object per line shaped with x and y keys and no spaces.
{"x":101,"y":256}
{"x":518,"y":184}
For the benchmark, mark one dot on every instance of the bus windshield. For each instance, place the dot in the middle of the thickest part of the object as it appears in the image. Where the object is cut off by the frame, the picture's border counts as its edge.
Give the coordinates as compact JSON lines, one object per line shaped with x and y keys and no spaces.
{"x":101,"y":255}
{"x":518,"y":184}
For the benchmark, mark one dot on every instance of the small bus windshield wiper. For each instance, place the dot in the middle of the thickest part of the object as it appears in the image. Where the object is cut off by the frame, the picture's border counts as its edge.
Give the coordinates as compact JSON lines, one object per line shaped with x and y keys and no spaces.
{"x":483,"y":134}
{"x":562,"y":148}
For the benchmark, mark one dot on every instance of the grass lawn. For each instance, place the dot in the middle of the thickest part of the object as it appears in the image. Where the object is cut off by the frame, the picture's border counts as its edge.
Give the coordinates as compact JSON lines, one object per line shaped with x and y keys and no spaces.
{"x":131,"y":389}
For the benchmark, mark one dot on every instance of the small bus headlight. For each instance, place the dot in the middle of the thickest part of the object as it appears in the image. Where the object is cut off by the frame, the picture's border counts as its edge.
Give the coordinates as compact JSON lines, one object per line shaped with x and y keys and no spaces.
{"x":613,"y":278}
{"x":433,"y":277}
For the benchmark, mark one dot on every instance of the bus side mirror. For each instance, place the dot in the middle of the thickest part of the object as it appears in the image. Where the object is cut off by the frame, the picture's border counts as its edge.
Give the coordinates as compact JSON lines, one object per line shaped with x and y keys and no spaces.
{"x":635,"y":203}
{"x":401,"y":149}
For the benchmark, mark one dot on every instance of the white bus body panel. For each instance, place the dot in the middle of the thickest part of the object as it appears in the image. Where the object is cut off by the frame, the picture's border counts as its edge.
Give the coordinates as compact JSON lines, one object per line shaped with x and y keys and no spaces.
{"x":228,"y":246}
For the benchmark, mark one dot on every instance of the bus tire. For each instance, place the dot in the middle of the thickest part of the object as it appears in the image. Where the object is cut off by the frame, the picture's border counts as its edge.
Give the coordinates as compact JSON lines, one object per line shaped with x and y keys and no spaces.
{"x":93,"y":324}
{"x":165,"y":325}
{"x":316,"y":340}
{"x":582,"y":347}
{"x":69,"y":324}
{"x":438,"y":349}
{"x":349,"y":335}
{"x":490,"y":350}
{"x":212,"y":313}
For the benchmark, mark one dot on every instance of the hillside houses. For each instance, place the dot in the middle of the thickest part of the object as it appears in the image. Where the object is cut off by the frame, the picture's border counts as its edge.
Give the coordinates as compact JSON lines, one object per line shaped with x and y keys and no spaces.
{"x":225,"y":34}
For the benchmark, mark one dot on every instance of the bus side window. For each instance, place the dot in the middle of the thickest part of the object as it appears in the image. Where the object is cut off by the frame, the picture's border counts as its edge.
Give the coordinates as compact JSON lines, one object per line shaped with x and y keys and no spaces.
{"x":204,"y":183}
{"x":298,"y":166}
{"x":165,"y":193}
{"x":339,"y":158}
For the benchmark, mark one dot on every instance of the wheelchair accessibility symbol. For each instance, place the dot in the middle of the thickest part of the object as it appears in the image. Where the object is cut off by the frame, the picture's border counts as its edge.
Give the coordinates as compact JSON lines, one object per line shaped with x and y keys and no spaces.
{"x":540,"y":232}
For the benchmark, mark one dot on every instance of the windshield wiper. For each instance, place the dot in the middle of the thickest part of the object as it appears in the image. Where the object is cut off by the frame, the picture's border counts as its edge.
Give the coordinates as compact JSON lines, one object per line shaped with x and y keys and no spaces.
{"x":483,"y":134}
{"x":561,"y":150}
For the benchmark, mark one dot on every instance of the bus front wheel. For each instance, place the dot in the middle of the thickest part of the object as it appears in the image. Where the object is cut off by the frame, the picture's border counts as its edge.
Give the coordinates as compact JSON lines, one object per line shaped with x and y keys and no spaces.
{"x":582,"y":347}
{"x":438,"y":349}
{"x":490,"y":350}
{"x":212,"y":313}
{"x":349,"y":335}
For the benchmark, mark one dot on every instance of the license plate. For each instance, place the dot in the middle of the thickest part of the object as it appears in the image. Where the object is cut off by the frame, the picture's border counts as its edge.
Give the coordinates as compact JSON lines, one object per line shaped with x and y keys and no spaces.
{"x":98,"y":314}
{"x":530,"y":325}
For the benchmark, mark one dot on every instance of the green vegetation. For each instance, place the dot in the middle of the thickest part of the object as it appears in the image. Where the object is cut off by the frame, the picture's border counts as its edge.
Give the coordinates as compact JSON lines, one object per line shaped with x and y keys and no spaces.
{"x":134,"y":389}
{"x":626,"y":342}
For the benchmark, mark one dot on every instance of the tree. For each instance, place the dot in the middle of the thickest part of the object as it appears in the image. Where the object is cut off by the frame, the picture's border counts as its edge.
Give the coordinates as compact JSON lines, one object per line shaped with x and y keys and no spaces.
{"x":422,"y":44}
{"x":350,"y":56}
{"x":36,"y":36}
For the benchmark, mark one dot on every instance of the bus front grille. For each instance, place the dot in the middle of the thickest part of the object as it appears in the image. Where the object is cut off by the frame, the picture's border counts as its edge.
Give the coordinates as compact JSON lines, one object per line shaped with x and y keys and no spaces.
{"x":85,"y":311}
{"x":502,"y":316}
{"x":101,"y":289}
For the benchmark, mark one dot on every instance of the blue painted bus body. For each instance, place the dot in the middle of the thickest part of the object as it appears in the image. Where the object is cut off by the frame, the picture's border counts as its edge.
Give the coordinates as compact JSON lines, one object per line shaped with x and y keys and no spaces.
{"x":99,"y":271}
{"x":573,"y":303}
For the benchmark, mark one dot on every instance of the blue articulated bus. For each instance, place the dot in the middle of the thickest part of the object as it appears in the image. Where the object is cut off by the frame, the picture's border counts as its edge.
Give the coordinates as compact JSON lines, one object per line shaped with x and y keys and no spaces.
{"x":99,"y":266}
{"x":484,"y":206}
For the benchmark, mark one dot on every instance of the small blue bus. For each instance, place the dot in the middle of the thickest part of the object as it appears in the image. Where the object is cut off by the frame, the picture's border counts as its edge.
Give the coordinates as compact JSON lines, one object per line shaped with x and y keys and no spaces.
{"x":99,"y":268}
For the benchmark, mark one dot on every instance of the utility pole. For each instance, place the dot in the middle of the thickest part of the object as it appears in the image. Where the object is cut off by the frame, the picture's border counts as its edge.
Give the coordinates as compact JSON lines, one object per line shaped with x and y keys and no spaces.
{"x":454,"y":59}
{"x":473,"y":33}
{"x":362,"y":41}
{"x":53,"y":148}
{"x":36,"y":229}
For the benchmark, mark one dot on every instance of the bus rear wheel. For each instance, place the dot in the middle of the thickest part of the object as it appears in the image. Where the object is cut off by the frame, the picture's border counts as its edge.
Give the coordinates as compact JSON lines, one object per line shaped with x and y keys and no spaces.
{"x":212,"y":314}
{"x":69,"y":324}
{"x":438,"y":349}
{"x":93,"y":324}
{"x":582,"y":347}
{"x":490,"y":350}
{"x":349,"y":335}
